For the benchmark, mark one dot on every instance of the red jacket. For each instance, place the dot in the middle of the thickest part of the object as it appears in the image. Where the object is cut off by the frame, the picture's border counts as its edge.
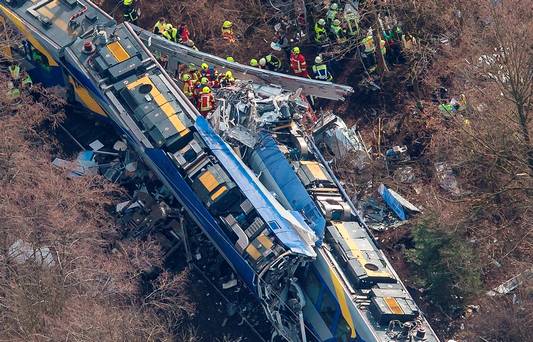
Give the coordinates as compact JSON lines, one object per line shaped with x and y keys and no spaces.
{"x":184,"y":33}
{"x":298,"y":65}
{"x":206,"y":103}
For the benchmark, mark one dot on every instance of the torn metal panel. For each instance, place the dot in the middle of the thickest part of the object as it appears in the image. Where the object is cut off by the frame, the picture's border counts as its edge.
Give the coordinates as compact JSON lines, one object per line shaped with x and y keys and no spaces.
{"x":397,"y":203}
{"x":341,"y":141}
{"x":513,"y":283}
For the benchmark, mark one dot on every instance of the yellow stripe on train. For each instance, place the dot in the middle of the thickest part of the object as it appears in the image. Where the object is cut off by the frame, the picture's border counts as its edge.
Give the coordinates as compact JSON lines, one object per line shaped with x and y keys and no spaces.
{"x":341,"y":298}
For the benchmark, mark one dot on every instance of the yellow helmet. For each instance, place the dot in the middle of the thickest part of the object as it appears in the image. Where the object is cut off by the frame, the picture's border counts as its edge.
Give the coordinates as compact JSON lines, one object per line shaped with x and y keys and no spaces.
{"x":229,"y":74}
{"x":204,"y":80}
{"x":227,"y":24}
{"x":206,"y":90}
{"x":186,"y":77}
{"x":296,"y":50}
{"x":230,"y":59}
{"x":253,"y":62}
{"x":205,"y":66}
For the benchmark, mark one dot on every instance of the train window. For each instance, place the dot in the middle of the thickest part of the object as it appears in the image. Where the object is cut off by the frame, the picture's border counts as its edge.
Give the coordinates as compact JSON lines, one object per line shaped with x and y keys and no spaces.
{"x":343,"y":331}
{"x":312,"y":287}
{"x":329,"y":310}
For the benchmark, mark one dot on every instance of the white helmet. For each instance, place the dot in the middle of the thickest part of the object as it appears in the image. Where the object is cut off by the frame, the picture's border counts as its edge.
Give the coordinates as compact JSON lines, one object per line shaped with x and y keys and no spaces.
{"x":334,"y":6}
{"x":262,"y":62}
{"x":318,"y":60}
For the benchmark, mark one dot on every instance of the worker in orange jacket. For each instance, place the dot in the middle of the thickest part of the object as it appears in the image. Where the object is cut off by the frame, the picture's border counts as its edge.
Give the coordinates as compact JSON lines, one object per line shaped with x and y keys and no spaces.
{"x":298,"y":64}
{"x":206,"y":102}
{"x":227,"y":31}
{"x":188,"y":86}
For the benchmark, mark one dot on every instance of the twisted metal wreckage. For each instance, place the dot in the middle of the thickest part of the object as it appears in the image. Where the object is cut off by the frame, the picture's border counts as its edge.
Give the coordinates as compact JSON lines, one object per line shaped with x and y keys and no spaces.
{"x":254,"y":180}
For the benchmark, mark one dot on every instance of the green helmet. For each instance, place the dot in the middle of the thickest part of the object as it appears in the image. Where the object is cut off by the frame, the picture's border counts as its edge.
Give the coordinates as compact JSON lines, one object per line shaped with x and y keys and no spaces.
{"x":321,"y":22}
{"x":227,"y":24}
{"x":296,"y":50}
{"x":230,"y":59}
{"x":254,"y":62}
{"x":204,"y":80}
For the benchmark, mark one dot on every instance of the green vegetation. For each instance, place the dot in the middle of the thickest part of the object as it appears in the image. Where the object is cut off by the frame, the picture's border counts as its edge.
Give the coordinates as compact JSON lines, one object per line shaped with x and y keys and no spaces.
{"x":446,"y":264}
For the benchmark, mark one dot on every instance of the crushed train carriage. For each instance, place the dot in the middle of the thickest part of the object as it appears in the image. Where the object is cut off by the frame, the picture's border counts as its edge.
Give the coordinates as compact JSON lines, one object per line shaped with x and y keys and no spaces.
{"x":305,"y":254}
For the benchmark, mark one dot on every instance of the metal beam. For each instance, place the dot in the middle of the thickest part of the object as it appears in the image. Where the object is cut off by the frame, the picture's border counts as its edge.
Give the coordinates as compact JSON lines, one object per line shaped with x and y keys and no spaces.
{"x":185,"y":55}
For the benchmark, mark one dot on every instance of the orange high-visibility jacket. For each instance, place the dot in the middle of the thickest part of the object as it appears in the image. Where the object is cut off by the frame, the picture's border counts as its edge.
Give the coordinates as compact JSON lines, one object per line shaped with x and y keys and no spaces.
{"x":207,"y":102}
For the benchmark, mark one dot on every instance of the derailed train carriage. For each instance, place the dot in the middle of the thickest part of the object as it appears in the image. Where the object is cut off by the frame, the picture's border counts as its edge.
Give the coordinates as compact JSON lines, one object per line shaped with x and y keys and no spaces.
{"x":274,"y":248}
{"x":351,"y":290}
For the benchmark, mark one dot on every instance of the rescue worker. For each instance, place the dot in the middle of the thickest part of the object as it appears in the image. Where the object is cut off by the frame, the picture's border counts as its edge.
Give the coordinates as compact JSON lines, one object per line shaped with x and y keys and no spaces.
{"x":298,"y":64}
{"x":204,"y":82}
{"x":131,"y":13}
{"x":351,"y":17}
{"x":206,"y":102}
{"x":320,"y":70}
{"x":254,"y":63}
{"x":160,"y":26}
{"x":393,"y":44}
{"x":227,"y":31}
{"x":281,"y":42}
{"x":184,"y":34}
{"x":213,"y":75}
{"x":171,"y":33}
{"x":321,"y":35}
{"x":193,"y":71}
{"x":204,"y":67}
{"x":227,"y":79}
{"x":17,"y":82}
{"x":369,"y":57}
{"x":332,"y":12}
{"x":188,"y":86}
{"x":337,"y":31}
{"x":273,"y":63}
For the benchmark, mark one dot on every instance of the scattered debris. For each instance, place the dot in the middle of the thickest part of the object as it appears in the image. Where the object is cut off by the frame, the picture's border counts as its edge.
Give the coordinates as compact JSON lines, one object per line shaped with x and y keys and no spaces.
{"x":404,"y":174}
{"x":84,"y":165}
{"x":341,"y":141}
{"x":446,"y":178}
{"x":21,"y":251}
{"x":397,"y":154}
{"x":96,"y":145}
{"x":513,"y":283}
{"x":377,"y":216}
{"x":229,"y":284}
{"x":397,"y":203}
